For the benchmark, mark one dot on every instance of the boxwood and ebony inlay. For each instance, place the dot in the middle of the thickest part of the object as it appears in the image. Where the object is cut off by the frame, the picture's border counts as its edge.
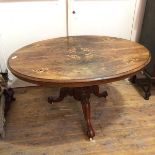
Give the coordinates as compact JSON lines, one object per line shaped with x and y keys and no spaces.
{"x":79,"y":64}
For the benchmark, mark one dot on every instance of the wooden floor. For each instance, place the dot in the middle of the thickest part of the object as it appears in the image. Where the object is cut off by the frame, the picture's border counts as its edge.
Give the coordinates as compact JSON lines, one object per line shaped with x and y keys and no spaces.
{"x":124,"y":124}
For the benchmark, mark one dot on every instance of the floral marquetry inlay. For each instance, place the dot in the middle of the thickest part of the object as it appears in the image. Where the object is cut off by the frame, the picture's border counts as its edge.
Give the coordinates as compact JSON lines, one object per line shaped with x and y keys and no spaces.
{"x":78,"y":60}
{"x":81,"y":54}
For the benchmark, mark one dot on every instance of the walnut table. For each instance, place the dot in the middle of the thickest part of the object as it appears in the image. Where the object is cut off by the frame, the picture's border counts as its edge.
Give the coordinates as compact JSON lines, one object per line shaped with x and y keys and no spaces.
{"x":78,"y":65}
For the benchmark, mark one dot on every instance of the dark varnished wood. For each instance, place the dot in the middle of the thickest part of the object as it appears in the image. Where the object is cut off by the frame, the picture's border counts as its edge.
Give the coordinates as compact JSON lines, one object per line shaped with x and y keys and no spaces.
{"x":78,"y":64}
{"x":144,"y":81}
{"x":78,"y":61}
{"x":81,"y":94}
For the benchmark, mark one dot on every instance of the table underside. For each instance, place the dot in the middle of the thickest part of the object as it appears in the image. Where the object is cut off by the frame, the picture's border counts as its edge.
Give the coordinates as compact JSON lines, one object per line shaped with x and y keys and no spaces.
{"x":81,"y":94}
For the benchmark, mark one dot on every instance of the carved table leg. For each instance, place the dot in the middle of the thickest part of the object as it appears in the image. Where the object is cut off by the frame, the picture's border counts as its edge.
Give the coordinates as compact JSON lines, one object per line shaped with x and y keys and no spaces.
{"x":147,"y":89}
{"x":143,"y":80}
{"x":62,"y":95}
{"x":86,"y":111}
{"x":96,"y":92}
{"x":81,"y":94}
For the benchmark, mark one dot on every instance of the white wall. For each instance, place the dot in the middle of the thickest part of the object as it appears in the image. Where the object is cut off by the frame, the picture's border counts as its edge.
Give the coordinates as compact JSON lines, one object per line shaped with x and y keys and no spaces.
{"x":138,"y":19}
{"x":22,"y":23}
{"x":102,"y":17}
{"x":2,"y":62}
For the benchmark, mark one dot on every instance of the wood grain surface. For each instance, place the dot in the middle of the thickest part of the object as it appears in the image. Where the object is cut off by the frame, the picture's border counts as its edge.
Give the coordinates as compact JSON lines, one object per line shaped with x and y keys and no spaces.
{"x":124,"y":123}
{"x":78,"y":60}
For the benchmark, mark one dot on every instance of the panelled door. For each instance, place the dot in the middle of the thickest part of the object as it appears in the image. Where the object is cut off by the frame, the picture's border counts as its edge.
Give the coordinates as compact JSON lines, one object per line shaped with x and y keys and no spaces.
{"x":101,"y":17}
{"x":25,"y":22}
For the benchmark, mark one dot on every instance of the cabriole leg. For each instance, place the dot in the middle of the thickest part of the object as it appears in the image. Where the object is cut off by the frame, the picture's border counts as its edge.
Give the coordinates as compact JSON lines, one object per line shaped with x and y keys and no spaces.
{"x":62,"y":95}
{"x":97,"y":93}
{"x":81,"y":94}
{"x":87,"y":115}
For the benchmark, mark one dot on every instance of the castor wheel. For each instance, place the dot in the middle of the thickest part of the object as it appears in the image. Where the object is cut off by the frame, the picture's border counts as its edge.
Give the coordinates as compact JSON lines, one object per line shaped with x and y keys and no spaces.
{"x":92,"y":140}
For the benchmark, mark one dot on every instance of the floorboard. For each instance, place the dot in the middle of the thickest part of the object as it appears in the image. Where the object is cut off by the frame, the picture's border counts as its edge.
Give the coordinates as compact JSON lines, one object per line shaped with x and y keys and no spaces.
{"x":124,"y":123}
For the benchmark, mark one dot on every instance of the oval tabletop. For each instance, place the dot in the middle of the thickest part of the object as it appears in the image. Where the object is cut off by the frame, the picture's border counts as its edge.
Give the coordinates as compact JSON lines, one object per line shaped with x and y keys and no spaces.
{"x":78,"y":60}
